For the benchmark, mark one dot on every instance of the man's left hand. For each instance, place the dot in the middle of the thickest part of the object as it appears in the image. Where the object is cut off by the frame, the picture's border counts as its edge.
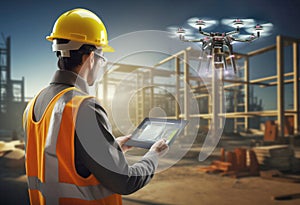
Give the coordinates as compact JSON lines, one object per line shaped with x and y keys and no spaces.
{"x":122,"y":140}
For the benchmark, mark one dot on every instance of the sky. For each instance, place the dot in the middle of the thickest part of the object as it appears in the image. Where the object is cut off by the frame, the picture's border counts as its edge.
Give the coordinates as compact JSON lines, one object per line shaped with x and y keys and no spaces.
{"x":29,"y":22}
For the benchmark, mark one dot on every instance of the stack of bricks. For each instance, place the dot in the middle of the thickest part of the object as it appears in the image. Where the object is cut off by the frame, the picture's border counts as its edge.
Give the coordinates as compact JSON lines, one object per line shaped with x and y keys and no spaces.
{"x":280,"y":157}
{"x":234,"y":163}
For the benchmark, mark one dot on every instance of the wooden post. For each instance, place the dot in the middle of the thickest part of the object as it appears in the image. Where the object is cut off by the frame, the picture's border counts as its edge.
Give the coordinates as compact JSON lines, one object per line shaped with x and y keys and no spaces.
{"x":221,"y":102}
{"x":280,"y":84}
{"x":296,"y":86}
{"x":186,"y":86}
{"x":142,"y":100}
{"x":246,"y":92}
{"x":222,"y":155}
{"x":235,"y":106}
{"x":177,"y":86}
{"x":186,"y":95}
{"x":151,"y":104}
{"x":209,"y":103}
{"x":214,"y":96}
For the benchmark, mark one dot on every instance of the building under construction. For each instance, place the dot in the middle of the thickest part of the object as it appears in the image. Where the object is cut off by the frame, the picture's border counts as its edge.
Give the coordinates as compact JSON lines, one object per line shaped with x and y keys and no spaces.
{"x":181,"y":85}
{"x":172,"y":85}
{"x":12,"y":99}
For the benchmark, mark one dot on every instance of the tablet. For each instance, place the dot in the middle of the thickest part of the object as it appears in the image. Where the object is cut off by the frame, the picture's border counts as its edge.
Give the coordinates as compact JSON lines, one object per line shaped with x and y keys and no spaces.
{"x":153,"y":129}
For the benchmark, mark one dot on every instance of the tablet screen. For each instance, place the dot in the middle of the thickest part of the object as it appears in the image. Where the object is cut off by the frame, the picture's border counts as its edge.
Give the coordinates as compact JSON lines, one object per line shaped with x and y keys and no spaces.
{"x":154,"y":129}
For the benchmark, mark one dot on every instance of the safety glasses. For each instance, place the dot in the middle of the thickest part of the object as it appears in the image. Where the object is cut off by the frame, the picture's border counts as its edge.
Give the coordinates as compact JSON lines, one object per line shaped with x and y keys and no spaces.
{"x":100,"y":56}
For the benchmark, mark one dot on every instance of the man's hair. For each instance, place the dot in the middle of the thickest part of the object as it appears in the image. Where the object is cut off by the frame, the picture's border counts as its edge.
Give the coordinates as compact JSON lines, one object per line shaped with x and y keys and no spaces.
{"x":75,"y":59}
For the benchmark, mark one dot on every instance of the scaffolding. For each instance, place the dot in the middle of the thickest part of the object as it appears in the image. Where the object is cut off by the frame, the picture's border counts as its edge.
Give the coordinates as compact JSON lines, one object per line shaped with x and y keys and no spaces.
{"x":12,"y":100}
{"x":187,"y":86}
{"x":141,"y":81}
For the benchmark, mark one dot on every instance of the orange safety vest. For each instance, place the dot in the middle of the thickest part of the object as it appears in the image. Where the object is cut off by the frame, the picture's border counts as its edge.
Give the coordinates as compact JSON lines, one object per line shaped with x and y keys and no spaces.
{"x":50,"y":164}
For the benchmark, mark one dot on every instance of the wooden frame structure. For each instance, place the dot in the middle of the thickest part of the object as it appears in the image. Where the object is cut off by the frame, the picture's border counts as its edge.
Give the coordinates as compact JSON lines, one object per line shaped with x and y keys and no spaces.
{"x":182,"y":91}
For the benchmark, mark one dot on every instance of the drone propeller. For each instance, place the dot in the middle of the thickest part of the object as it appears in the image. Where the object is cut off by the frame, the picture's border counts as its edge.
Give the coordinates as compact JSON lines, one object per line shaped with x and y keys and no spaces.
{"x":179,"y":30}
{"x":196,"y":22}
{"x":261,"y":29}
{"x":176,"y":31}
{"x":238,"y":23}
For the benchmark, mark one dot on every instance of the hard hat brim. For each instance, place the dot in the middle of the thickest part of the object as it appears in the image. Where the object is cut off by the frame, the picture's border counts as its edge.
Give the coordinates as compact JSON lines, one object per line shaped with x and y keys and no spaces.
{"x":108,"y":48}
{"x":105,"y":48}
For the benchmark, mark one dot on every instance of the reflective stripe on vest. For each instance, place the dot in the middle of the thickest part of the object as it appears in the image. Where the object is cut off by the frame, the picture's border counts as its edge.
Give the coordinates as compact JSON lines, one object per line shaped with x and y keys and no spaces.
{"x":65,"y":190}
{"x":52,"y":189}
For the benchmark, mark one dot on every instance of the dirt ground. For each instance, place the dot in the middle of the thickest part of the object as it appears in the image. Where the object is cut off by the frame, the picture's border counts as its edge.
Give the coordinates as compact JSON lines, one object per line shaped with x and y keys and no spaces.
{"x":185,"y":184}
{"x":181,"y":184}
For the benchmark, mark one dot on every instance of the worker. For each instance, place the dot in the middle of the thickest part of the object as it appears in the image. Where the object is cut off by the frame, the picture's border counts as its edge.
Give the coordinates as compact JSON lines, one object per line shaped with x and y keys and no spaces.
{"x":72,"y":156}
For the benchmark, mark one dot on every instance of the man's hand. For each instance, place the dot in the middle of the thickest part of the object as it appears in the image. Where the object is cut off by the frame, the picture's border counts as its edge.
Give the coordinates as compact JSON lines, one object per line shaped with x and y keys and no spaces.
{"x":121,"y":141}
{"x":160,"y":147}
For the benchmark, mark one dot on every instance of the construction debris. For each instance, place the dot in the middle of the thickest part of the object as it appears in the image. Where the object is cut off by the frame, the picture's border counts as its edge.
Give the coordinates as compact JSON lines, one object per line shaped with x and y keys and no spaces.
{"x":12,"y":154}
{"x":286,"y":197}
{"x":235,"y":164}
{"x":270,"y":131}
{"x":280,"y":157}
{"x":279,"y":176}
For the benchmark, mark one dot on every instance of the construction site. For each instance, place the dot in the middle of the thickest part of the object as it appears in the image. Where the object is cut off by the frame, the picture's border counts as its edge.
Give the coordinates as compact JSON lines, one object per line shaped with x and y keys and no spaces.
{"x":12,"y":95}
{"x":255,"y":161}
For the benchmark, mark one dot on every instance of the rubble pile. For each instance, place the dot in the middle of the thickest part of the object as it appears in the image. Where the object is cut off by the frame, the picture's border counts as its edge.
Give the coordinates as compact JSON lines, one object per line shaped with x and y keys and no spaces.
{"x":280,"y":157}
{"x":12,"y":154}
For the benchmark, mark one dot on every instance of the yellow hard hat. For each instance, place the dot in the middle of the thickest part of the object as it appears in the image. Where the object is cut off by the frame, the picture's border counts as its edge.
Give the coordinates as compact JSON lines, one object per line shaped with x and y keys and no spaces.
{"x":82,"y":26}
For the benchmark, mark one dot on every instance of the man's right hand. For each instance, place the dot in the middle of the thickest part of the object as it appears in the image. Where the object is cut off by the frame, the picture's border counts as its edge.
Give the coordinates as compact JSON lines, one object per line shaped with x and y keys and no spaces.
{"x":160,"y":147}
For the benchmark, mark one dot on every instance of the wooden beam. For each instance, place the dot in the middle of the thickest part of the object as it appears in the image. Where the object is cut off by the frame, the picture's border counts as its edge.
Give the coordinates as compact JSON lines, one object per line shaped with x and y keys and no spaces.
{"x":280,"y":85}
{"x":177,"y":101}
{"x":285,"y":82}
{"x":266,"y":113}
{"x":244,"y":82}
{"x":246,"y":88}
{"x":176,"y":55}
{"x":262,"y":50}
{"x":296,"y":86}
{"x":105,"y":90}
{"x":186,"y":85}
{"x":271,"y":77}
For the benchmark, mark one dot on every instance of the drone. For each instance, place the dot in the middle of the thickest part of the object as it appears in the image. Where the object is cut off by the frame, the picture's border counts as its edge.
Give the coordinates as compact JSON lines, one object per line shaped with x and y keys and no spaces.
{"x":218,"y":45}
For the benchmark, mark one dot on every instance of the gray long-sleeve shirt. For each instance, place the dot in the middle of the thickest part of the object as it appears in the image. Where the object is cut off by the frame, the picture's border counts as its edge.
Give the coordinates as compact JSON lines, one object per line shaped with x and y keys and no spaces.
{"x":96,"y":150}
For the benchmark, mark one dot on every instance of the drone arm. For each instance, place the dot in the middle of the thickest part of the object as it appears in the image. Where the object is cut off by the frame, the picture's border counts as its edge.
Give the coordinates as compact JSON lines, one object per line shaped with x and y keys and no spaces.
{"x":194,"y":40}
{"x":237,"y":31}
{"x":190,"y":40}
{"x":203,"y":32}
{"x":245,"y":40}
